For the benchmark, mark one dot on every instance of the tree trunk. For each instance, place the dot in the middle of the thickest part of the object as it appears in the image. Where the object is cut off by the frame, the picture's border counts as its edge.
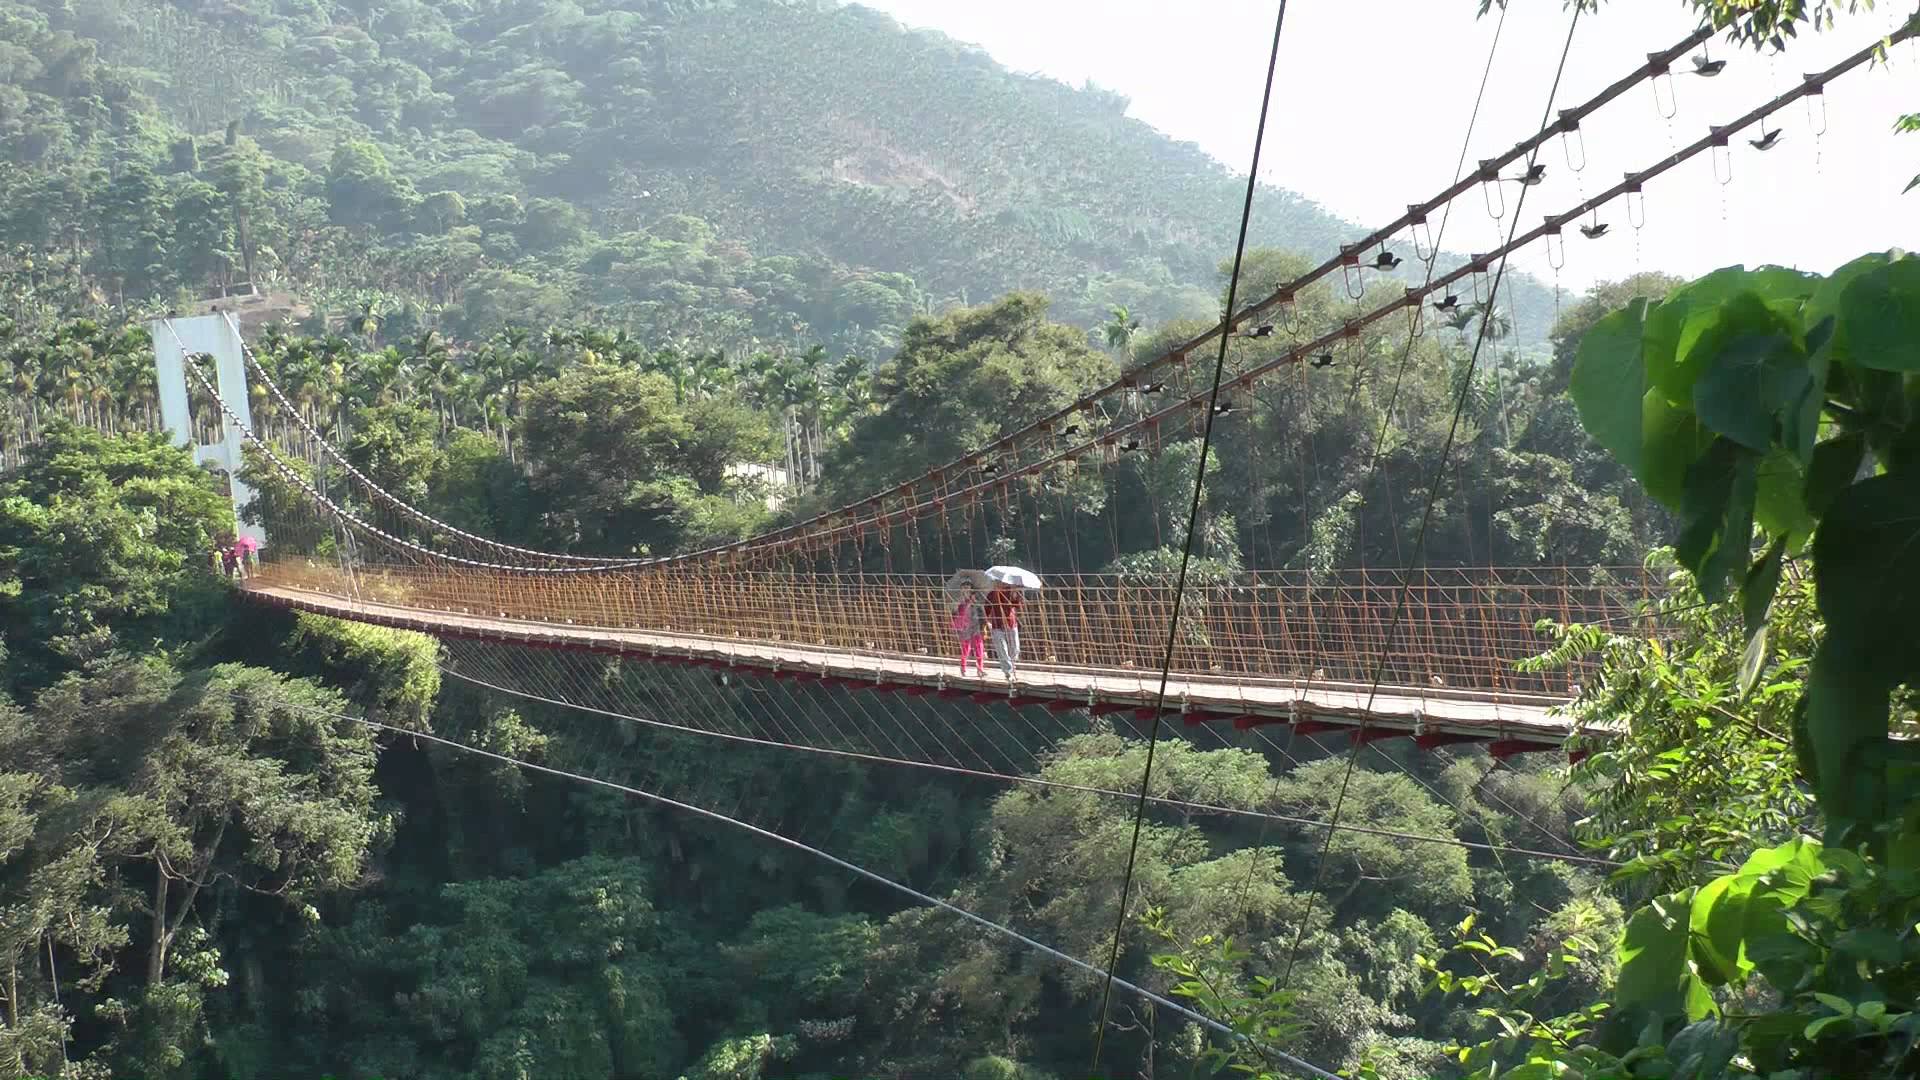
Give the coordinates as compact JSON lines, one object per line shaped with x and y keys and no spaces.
{"x":157,"y":947}
{"x":240,"y":216}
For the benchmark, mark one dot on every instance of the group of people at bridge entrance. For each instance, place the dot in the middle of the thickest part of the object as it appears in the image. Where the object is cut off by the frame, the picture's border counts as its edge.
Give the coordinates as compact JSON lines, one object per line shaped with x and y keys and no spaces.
{"x":236,"y":557}
{"x":986,"y":603}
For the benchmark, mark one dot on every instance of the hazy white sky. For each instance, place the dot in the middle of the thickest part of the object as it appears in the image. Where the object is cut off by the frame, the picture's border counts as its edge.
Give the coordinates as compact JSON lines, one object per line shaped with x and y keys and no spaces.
{"x":1372,"y":98}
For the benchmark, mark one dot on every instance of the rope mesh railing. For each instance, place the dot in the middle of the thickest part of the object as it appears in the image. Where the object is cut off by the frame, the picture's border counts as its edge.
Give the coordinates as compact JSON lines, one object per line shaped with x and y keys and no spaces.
{"x":1467,"y":629}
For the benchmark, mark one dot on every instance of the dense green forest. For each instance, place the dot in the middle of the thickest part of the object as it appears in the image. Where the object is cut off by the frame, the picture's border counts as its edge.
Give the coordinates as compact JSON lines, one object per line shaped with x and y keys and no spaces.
{"x":701,"y":173}
{"x":226,"y":875}
{"x":235,"y":879}
{"x":553,"y":274}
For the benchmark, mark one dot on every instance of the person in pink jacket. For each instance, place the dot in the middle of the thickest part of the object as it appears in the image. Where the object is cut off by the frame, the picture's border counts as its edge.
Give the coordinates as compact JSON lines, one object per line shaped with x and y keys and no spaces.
{"x":970,"y":626}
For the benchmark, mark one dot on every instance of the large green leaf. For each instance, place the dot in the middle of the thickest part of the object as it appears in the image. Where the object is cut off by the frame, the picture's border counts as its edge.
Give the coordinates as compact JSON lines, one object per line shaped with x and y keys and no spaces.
{"x":1825,"y":304}
{"x":1608,"y":381}
{"x":1867,"y":580}
{"x":1779,"y":502}
{"x":1737,"y":923}
{"x":1756,"y":596}
{"x":1716,"y":515}
{"x":1702,"y":1050}
{"x":1676,"y":327}
{"x":1867,"y":572}
{"x":1881,"y":312}
{"x":1538,"y":1070}
{"x":1800,"y":426}
{"x":1846,"y":733}
{"x":1653,"y":954}
{"x":1716,"y":927}
{"x":1747,"y":383}
{"x":1789,"y":868}
{"x":1671,"y":439}
{"x":1836,"y":463}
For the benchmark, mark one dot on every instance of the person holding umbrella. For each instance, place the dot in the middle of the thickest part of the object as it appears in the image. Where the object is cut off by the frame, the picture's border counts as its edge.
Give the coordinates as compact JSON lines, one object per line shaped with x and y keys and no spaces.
{"x":246,"y":555}
{"x":970,"y":623}
{"x":964,"y":595}
{"x":1003,"y":611}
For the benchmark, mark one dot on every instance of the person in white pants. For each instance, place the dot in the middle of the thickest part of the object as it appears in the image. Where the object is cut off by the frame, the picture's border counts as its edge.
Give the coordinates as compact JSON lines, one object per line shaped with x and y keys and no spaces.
{"x":1003,"y":620}
{"x":1006,"y":645}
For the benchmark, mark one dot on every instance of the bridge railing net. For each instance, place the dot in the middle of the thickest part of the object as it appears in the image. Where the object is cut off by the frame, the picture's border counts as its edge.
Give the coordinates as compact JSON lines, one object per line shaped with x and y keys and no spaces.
{"x":1461,"y":630}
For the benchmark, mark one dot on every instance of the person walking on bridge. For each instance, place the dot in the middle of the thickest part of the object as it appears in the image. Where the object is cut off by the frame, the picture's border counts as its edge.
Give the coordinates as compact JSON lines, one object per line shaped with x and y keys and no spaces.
{"x":970,"y":625}
{"x":1003,"y":619}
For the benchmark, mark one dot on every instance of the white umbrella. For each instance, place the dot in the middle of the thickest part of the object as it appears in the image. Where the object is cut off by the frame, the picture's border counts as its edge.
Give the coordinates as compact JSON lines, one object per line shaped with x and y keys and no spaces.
{"x":1015,"y":576}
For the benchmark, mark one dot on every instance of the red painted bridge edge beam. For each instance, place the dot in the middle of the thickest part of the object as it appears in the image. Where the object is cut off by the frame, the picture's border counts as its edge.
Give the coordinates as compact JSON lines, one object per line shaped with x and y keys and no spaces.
{"x":1500,"y":748}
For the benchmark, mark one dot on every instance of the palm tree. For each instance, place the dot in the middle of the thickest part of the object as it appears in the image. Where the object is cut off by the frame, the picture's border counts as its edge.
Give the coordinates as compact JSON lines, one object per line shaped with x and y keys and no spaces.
{"x":1499,"y":323}
{"x":709,"y":373}
{"x":365,"y":320}
{"x":1119,"y":331}
{"x":433,"y":363}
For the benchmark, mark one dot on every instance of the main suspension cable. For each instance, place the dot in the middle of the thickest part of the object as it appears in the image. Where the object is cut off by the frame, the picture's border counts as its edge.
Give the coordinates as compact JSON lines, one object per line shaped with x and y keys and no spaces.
{"x":405,"y":508}
{"x":1193,"y":526}
{"x":1426,"y":517}
{"x":831,"y":522}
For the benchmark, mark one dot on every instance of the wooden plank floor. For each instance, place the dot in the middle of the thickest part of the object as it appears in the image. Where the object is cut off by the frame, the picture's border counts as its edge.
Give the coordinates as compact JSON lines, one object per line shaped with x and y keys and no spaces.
{"x":1513,"y":722}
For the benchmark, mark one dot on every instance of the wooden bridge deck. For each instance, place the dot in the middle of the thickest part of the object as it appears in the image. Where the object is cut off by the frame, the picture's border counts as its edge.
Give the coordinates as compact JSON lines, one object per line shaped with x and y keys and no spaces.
{"x":1507,"y":723}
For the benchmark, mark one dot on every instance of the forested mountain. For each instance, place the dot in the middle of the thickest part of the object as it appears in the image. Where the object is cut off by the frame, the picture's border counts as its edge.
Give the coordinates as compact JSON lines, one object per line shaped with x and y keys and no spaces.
{"x":555,"y":273}
{"x":727,"y":171}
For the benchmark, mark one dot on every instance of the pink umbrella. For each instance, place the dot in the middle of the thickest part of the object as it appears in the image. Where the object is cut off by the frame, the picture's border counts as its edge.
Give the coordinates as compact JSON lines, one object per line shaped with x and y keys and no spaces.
{"x":246,"y":544}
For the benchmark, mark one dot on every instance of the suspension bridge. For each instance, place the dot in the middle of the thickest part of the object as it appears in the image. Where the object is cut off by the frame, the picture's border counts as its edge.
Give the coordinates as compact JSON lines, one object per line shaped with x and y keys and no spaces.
{"x":847,"y":606}
{"x":1275,"y":650}
{"x":850,"y":600}
{"x":1375,"y":655}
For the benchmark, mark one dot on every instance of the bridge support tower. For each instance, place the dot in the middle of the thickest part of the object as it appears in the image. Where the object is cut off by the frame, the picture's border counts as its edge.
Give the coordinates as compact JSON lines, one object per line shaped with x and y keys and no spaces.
{"x":218,"y":336}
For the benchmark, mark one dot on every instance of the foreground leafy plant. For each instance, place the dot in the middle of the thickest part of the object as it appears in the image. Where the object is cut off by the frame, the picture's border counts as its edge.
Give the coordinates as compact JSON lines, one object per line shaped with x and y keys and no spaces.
{"x":1823,"y":939}
{"x":1526,"y":1041}
{"x":1784,"y":400}
{"x":1695,"y":772}
{"x":1208,"y":972}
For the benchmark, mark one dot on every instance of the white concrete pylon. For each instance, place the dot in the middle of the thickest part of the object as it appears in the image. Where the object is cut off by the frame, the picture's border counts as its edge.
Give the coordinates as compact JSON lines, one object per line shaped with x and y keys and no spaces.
{"x":217,"y":336}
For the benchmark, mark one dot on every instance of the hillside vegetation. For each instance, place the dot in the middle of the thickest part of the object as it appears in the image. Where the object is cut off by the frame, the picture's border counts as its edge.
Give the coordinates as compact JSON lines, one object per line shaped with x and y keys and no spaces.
{"x":556,"y":273}
{"x":737,"y":173}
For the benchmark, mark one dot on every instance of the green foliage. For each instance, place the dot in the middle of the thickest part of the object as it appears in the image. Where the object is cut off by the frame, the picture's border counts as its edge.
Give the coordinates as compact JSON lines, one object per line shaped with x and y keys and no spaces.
{"x":995,"y":1067}
{"x":1520,"y":1033}
{"x":743,"y":1058}
{"x":817,"y":963}
{"x":1425,"y":878}
{"x":626,"y":468}
{"x":1816,"y":927}
{"x":160,"y":797}
{"x":1205,"y":971}
{"x":1751,"y":398}
{"x":1696,"y":765}
{"x":1771,"y":399}
{"x":535,"y":165}
{"x":961,"y":380}
{"x":556,"y":974}
{"x":104,"y":542}
{"x":393,"y":674}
